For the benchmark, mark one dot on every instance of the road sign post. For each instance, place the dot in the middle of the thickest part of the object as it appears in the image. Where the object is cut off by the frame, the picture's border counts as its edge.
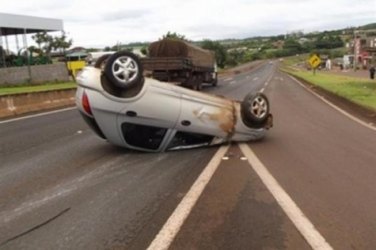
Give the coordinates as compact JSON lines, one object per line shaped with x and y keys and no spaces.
{"x":314,"y":61}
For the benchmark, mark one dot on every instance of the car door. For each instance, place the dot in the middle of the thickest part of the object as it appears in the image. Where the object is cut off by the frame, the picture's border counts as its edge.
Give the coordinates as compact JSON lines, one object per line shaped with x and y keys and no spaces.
{"x":146,"y":121}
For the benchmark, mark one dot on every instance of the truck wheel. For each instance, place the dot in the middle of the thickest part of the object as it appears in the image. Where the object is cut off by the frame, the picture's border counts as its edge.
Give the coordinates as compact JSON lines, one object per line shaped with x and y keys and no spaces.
{"x":215,"y":82}
{"x":101,"y":62}
{"x":255,"y":110}
{"x":198,"y":86}
{"x":124,"y":69}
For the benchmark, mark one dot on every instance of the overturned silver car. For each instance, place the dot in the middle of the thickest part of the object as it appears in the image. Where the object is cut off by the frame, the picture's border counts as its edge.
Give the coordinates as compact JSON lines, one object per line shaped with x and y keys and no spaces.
{"x":132,"y":111}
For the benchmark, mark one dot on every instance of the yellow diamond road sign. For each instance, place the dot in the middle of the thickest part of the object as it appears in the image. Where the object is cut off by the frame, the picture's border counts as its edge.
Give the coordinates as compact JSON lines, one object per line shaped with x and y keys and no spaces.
{"x":314,"y":61}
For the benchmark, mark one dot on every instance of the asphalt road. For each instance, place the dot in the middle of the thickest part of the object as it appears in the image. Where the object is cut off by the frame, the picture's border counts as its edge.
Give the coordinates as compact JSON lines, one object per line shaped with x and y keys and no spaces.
{"x":62,"y":187}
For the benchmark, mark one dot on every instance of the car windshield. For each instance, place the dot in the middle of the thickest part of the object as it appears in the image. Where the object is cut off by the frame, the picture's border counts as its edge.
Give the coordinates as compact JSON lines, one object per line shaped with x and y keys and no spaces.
{"x":142,"y":136}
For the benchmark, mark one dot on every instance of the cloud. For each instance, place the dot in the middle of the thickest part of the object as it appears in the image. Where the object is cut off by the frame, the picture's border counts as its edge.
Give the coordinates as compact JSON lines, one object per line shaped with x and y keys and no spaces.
{"x":124,"y":15}
{"x":104,"y":23}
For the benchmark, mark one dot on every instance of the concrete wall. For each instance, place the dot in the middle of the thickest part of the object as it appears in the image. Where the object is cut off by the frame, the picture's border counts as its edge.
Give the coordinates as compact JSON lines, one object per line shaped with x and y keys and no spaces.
{"x":39,"y":74}
{"x":12,"y":105}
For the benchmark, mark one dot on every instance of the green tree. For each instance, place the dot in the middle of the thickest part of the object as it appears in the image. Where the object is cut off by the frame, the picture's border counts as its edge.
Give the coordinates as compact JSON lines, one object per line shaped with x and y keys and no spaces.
{"x":235,"y":57}
{"x":328,"y":41}
{"x":174,"y":35}
{"x":292,"y":46}
{"x":144,"y":50}
{"x":39,"y":39}
{"x":47,"y":42}
{"x":61,"y":43}
{"x":44,"y":41}
{"x":219,"y":50}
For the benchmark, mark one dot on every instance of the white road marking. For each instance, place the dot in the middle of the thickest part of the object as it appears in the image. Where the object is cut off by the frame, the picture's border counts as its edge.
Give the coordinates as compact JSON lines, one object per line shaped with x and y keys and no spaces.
{"x":36,"y":115}
{"x":301,"y":222}
{"x":267,"y":83}
{"x":232,"y":82}
{"x":170,"y":229}
{"x":255,"y":79}
{"x":367,"y":125}
{"x":228,"y":79}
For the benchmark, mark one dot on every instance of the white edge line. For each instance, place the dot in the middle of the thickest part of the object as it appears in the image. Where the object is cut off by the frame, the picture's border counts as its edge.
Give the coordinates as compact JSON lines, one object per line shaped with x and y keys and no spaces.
{"x":301,"y":222}
{"x":36,"y":115}
{"x":170,"y":229}
{"x":334,"y":106}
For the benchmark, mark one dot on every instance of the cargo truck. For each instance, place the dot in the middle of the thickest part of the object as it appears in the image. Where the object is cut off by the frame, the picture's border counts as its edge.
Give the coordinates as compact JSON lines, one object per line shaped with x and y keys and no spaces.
{"x":177,"y":61}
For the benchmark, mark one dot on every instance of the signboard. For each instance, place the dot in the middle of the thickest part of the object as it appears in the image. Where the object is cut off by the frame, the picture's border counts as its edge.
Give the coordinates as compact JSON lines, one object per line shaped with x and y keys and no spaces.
{"x":314,"y":61}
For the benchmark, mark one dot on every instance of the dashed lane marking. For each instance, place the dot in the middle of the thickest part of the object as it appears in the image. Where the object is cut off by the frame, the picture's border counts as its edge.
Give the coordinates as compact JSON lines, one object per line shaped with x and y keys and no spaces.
{"x":301,"y":222}
{"x":228,"y":79}
{"x":171,"y":228}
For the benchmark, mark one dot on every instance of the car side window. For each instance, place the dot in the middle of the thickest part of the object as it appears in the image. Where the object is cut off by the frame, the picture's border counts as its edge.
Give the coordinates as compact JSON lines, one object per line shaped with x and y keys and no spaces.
{"x":142,"y":136}
{"x":189,"y":140}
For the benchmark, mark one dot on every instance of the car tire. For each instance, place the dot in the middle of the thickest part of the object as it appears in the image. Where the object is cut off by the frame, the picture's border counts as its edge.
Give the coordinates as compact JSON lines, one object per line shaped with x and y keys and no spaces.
{"x":124,"y":70}
{"x":215,"y":82}
{"x":198,"y":86}
{"x":101,"y":62}
{"x":255,"y":110}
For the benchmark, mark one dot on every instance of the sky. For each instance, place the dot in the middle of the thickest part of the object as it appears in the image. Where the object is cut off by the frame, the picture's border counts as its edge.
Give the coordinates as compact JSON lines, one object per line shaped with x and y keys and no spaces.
{"x":94,"y":23}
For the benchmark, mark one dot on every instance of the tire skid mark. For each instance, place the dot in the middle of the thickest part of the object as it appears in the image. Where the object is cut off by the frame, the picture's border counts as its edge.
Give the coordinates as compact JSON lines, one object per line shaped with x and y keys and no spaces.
{"x":58,"y":191}
{"x":35,"y":227}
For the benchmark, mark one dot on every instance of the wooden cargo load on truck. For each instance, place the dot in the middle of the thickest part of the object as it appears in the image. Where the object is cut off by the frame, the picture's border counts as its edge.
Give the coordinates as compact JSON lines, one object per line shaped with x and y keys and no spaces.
{"x":170,"y":48}
{"x":179,"y":61}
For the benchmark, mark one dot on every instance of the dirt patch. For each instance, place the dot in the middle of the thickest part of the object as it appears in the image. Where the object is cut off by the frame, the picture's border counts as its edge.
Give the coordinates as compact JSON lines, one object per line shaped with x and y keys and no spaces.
{"x":365,"y":114}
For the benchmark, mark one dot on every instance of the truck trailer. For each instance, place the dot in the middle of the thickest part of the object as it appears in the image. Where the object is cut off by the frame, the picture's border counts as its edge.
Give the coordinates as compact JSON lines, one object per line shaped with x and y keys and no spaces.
{"x":172,"y":60}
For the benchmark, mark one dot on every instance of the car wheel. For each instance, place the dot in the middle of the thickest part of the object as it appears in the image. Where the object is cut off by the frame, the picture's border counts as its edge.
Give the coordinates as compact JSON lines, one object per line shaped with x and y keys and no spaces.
{"x":215,"y":82}
{"x":124,"y":69}
{"x":101,"y":62}
{"x":199,"y":86}
{"x":255,"y":110}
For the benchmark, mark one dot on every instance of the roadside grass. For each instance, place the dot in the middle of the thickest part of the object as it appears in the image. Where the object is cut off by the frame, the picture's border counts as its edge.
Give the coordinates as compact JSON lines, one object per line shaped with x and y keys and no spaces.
{"x":358,"y":90}
{"x":22,"y":89}
{"x":294,"y":60}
